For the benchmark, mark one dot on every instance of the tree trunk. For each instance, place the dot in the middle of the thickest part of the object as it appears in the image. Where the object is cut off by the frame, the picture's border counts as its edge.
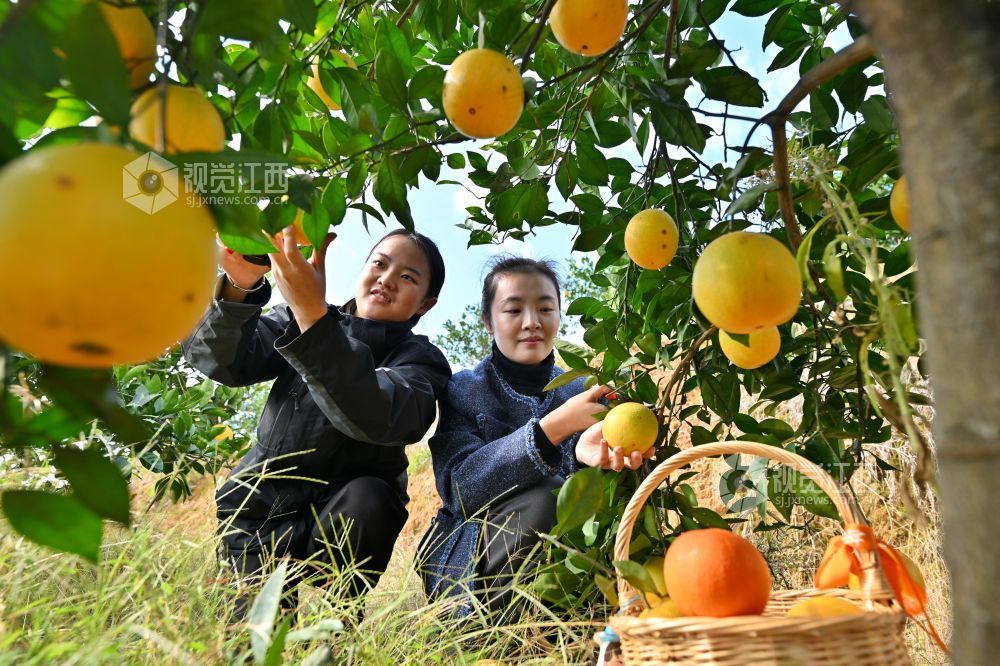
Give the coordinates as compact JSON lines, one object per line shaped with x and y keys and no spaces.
{"x":942,"y":65}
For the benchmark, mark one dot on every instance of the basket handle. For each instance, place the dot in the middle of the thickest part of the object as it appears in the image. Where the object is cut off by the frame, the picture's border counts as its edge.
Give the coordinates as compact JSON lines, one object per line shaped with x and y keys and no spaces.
{"x":874,"y":586}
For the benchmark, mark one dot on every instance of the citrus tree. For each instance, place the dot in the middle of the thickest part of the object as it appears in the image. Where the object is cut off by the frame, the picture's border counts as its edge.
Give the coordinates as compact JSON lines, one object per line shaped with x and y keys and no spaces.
{"x":582,"y":114}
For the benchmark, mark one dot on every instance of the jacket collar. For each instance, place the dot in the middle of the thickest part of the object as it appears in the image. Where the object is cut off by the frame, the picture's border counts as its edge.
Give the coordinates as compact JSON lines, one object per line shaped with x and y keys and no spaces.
{"x":380,"y":336}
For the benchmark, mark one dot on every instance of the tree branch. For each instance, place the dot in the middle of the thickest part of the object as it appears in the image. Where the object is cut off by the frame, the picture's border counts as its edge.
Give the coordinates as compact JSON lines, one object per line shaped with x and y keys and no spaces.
{"x":407,"y":13}
{"x":671,"y":29}
{"x":860,"y":50}
{"x":526,"y":56}
{"x":681,"y":368}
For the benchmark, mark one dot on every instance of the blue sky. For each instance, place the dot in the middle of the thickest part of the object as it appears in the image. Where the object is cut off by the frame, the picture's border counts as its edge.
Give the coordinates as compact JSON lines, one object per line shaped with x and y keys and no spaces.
{"x":437,"y":209}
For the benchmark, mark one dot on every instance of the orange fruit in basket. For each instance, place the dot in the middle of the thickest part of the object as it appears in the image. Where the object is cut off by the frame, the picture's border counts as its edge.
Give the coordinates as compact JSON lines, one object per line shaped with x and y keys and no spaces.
{"x":666,"y":609}
{"x":715,"y":573}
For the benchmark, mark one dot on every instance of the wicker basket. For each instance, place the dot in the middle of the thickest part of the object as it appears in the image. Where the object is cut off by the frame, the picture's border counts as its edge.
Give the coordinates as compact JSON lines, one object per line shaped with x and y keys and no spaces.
{"x":874,"y":637}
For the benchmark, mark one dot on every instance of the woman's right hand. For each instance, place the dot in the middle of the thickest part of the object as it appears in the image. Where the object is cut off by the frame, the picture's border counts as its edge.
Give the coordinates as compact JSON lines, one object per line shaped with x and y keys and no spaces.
{"x":574,"y":415}
{"x":239,"y":270}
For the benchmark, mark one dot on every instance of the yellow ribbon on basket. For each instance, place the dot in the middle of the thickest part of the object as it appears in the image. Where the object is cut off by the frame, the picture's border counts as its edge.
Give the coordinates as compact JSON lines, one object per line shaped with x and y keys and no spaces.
{"x":842,"y":559}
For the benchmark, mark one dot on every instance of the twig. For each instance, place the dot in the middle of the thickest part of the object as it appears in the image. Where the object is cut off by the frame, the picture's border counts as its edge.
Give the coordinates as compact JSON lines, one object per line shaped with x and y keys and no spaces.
{"x":407,"y":13}
{"x":526,"y":56}
{"x":681,"y":368}
{"x":861,"y":49}
{"x":671,"y":28}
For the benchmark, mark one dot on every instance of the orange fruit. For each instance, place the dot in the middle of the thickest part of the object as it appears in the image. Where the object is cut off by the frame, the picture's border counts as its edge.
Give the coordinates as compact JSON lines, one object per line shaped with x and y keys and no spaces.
{"x":764,"y":345}
{"x":823,"y":607}
{"x":631,"y":426}
{"x":97,"y":281}
{"x":317,"y":86}
{"x":651,"y":239}
{"x":483,"y":94}
{"x":745,"y":281}
{"x":716,"y":573}
{"x":899,"y":203}
{"x":588,"y":27}
{"x":136,"y":40}
{"x":191,"y":122}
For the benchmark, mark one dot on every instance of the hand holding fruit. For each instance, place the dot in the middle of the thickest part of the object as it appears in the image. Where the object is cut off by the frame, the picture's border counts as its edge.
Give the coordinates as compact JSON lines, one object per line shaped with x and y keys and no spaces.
{"x":594,"y":451}
{"x":301,"y":281}
{"x":574,"y":415}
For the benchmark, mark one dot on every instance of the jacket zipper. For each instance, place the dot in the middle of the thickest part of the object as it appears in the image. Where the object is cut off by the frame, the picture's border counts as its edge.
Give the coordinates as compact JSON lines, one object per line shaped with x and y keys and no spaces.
{"x":295,"y":399}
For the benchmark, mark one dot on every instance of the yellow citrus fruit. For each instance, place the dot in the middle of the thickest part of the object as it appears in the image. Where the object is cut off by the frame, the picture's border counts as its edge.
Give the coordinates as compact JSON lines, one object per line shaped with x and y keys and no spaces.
{"x":136,"y":40}
{"x":588,"y":27}
{"x":651,"y":239}
{"x":317,"y":86}
{"x":191,"y":122}
{"x":483,"y":94}
{"x":745,"y":281}
{"x":715,"y":573}
{"x":899,"y":203}
{"x":99,"y":282}
{"x":631,"y":426}
{"x":824,"y":607}
{"x":227,"y":433}
{"x":763,"y":346}
{"x":654,"y":566}
{"x":666,"y":609}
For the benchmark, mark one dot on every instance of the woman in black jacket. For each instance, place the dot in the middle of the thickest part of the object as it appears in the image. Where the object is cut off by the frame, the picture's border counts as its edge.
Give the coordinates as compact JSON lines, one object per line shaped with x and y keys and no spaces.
{"x":326,"y":479}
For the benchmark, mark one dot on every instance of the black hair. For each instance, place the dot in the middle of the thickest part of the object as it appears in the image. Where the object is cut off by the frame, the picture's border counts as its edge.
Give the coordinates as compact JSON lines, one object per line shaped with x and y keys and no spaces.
{"x":503,"y":265}
{"x":431,"y":252}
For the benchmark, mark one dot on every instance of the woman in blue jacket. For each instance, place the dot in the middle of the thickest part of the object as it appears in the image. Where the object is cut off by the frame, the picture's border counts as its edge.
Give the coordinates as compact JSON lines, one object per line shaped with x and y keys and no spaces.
{"x":504,"y":446}
{"x":352,"y":385}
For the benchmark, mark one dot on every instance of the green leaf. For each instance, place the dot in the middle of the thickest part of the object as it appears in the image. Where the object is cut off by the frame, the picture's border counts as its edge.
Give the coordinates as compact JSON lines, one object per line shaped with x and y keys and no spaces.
{"x":676,"y":125}
{"x":580,"y":497}
{"x":95,"y":66}
{"x":391,"y":80}
{"x":593,"y":165}
{"x":636,"y":575}
{"x":230,"y":18}
{"x":390,"y":190}
{"x":54,"y":520}
{"x":264,"y":611}
{"x":709,"y":518}
{"x":456,"y":161}
{"x":732,"y":85}
{"x":808,"y":494}
{"x":525,"y":202}
{"x":802,"y":258}
{"x":28,"y":66}
{"x":825,"y":112}
{"x":833,"y":270}
{"x":96,"y":482}
{"x":877,"y":114}
{"x":302,"y":13}
{"x":750,"y":198}
{"x":335,"y":202}
{"x":89,"y":393}
{"x":758,"y":7}
{"x":567,"y":377}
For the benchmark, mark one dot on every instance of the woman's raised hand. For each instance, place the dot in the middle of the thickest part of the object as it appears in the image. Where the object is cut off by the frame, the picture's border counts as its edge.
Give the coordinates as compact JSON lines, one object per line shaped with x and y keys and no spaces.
{"x":574,"y":415}
{"x":301,"y":281}
{"x":239,"y":270}
{"x":593,"y":450}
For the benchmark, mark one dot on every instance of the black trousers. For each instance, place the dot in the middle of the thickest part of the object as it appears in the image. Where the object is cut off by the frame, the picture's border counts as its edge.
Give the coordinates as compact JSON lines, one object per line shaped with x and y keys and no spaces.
{"x":508,"y":537}
{"x":356,"y":523}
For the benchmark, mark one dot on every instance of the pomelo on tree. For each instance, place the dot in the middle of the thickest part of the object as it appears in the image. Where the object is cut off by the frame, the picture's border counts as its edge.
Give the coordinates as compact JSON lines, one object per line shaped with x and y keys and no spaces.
{"x":136,"y":40}
{"x":317,"y":86}
{"x":93,"y":280}
{"x":745,"y":281}
{"x":588,"y":27}
{"x":483,"y":94}
{"x":763,"y":345}
{"x":192,"y":123}
{"x":899,"y":203}
{"x":651,"y":238}
{"x":631,"y":426}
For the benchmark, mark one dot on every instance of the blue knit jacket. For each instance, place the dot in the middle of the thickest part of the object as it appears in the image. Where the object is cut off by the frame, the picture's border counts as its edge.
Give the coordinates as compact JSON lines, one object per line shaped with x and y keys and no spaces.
{"x":484,"y":449}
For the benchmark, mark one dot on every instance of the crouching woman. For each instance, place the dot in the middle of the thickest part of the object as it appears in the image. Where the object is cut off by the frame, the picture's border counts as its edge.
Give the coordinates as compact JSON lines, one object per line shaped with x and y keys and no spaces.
{"x":504,"y":446}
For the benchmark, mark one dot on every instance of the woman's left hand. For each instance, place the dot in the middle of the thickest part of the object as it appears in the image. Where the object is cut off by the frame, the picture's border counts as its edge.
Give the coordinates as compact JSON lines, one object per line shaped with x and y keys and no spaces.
{"x":593,"y":450}
{"x":301,"y":281}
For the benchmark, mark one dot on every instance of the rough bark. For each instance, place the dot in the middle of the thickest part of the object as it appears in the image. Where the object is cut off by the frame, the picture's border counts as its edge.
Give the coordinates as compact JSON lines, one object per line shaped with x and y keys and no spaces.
{"x":942,"y":65}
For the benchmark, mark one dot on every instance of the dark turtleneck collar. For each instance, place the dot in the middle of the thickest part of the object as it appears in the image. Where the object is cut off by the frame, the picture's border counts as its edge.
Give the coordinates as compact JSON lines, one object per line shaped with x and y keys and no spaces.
{"x":525,"y":379}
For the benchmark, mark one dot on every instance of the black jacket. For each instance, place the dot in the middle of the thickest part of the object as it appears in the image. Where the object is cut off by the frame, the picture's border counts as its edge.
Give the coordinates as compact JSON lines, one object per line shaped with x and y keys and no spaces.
{"x":348,"y":395}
